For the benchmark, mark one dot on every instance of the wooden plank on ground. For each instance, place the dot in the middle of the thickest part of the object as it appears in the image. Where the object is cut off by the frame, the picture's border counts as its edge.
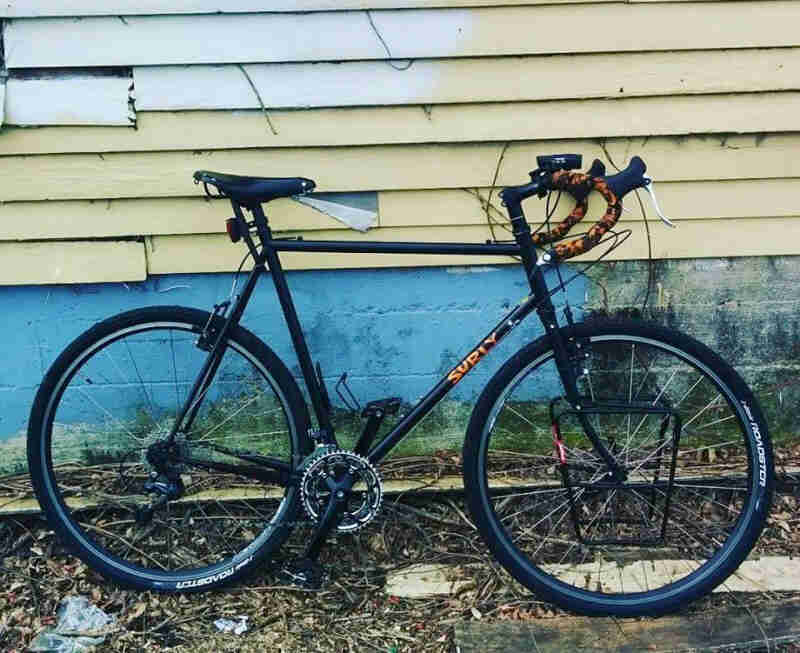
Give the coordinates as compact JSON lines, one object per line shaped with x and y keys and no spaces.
{"x":43,"y":220}
{"x":409,"y":33}
{"x":71,"y":262}
{"x":759,"y":574}
{"x":69,"y":100}
{"x":693,"y":239}
{"x":398,"y":167}
{"x":760,"y":626}
{"x":10,"y":507}
{"x":450,"y":123}
{"x":493,"y":79}
{"x":30,"y":506}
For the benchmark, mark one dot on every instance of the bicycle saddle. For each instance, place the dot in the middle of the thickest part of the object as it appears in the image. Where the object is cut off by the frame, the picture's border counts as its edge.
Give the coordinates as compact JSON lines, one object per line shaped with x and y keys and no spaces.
{"x":254,"y":190}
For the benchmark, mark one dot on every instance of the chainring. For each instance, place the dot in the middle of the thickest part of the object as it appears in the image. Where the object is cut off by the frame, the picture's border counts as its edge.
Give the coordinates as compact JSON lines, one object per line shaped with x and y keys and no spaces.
{"x":364,"y":500}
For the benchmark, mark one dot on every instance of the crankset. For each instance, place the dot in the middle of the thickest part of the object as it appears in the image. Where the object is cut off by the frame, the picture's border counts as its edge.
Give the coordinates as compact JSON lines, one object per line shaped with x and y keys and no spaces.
{"x":348,"y":476}
{"x":341,"y":491}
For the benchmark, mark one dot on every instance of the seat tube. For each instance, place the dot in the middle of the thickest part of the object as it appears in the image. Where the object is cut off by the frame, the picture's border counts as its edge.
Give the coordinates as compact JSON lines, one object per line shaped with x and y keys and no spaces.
{"x":292,"y":321}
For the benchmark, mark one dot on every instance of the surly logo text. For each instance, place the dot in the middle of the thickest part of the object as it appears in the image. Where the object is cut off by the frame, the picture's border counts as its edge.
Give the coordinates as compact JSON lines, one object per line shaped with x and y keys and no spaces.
{"x":214,"y":578}
{"x":472,"y":359}
{"x":762,"y":456}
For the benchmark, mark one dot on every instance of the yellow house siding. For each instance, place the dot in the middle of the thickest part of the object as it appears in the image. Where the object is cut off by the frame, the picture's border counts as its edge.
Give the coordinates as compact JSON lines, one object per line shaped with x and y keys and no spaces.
{"x":450,"y":123}
{"x":708,"y":93}
{"x":40,"y":8}
{"x":71,"y":262}
{"x":410,"y":33}
{"x":130,"y":217}
{"x":71,"y":219}
{"x":168,"y":174}
{"x":696,"y":238}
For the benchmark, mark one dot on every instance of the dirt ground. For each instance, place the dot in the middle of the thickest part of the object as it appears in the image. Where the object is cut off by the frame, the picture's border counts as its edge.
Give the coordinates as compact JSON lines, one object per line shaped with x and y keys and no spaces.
{"x":351,"y":613}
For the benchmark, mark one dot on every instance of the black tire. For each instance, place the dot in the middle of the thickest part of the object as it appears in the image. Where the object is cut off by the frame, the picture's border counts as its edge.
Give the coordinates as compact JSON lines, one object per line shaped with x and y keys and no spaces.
{"x":113,"y":393}
{"x":518,"y":488}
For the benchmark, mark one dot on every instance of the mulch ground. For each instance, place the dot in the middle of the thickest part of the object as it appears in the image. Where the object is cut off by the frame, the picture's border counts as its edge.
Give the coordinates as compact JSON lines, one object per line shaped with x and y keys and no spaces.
{"x":351,"y":613}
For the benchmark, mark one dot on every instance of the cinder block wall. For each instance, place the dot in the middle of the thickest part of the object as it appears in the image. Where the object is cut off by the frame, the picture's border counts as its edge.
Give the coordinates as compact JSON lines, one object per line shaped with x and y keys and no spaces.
{"x":745,"y":308}
{"x":396,"y":332}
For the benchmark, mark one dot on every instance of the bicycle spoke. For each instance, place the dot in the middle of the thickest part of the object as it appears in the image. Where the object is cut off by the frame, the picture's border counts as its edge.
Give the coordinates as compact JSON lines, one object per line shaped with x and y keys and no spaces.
{"x":103,"y":462}
{"x":683,"y":491}
{"x":151,"y":414}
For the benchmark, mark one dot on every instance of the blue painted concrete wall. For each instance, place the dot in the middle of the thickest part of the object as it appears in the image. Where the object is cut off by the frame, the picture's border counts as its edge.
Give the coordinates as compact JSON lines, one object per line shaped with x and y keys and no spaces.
{"x":394,"y":331}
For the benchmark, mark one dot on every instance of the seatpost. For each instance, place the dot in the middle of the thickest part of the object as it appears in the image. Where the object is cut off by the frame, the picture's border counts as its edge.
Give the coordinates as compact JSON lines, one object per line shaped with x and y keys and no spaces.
{"x":260,"y":220}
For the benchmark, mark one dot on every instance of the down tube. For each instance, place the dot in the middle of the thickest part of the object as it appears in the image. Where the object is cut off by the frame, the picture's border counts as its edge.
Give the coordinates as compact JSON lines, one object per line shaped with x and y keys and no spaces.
{"x":379,"y":451}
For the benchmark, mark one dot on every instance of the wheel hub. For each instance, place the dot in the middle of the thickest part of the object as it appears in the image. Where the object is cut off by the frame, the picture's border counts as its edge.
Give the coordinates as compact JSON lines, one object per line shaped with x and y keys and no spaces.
{"x":165,"y":456}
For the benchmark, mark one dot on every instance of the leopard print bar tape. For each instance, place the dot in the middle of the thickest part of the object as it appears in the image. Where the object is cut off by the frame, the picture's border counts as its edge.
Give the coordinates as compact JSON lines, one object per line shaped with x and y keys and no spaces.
{"x":581,"y":185}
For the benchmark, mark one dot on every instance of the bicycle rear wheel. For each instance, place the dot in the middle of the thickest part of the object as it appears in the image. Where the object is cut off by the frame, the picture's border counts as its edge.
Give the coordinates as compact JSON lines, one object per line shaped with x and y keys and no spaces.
{"x":99,"y":428}
{"x":678,"y":420}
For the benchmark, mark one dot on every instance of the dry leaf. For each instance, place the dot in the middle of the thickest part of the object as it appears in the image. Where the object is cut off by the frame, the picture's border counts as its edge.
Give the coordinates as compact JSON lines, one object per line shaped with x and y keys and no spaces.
{"x":138,"y":611}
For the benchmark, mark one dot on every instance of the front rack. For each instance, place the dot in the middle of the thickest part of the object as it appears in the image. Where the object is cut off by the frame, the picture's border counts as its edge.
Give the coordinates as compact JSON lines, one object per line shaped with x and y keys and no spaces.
{"x":632,"y":512}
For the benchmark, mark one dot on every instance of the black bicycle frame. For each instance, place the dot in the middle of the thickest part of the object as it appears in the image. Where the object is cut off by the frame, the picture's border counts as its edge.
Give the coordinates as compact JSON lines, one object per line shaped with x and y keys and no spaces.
{"x":266,"y":259}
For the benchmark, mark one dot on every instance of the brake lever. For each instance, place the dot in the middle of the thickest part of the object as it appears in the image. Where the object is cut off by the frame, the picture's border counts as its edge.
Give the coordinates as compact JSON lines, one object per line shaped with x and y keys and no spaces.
{"x":652,"y":193}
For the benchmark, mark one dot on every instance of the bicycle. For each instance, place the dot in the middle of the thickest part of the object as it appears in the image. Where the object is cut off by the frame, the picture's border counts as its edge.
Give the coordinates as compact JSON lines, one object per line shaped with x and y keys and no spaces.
{"x":612,"y":467}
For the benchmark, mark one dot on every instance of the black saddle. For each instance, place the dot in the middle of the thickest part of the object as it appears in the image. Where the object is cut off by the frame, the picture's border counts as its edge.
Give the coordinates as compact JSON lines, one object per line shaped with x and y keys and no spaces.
{"x":254,"y":190}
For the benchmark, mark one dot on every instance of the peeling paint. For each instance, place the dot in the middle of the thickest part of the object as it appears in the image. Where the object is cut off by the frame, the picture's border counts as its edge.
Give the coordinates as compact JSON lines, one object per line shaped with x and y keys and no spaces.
{"x":68,"y":100}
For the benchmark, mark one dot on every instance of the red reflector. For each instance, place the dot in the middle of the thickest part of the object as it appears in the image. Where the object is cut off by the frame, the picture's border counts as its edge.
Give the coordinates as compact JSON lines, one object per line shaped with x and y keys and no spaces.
{"x":232,"y":227}
{"x":561,"y":454}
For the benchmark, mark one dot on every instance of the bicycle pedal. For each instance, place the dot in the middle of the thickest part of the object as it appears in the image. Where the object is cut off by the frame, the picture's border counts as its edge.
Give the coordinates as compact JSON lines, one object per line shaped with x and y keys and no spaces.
{"x":303,"y":573}
{"x":382,"y":407}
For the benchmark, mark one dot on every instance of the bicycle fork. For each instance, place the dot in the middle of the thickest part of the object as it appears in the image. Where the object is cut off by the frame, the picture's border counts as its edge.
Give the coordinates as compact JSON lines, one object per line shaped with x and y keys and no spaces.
{"x":564,"y":364}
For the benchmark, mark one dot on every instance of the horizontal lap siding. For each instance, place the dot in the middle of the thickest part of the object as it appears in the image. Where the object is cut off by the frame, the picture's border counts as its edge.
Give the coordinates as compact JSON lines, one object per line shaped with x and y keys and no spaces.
{"x":348,"y":35}
{"x":71,"y":100}
{"x":168,"y":174}
{"x":71,"y":262}
{"x":453,"y":123}
{"x":436,"y":81}
{"x":710,"y":99}
{"x":695,"y":238}
{"x":195,"y":215}
{"x":40,"y":8}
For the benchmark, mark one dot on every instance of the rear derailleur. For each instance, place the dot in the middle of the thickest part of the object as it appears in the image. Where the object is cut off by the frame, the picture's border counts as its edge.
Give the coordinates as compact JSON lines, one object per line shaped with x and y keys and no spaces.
{"x":165,"y":481}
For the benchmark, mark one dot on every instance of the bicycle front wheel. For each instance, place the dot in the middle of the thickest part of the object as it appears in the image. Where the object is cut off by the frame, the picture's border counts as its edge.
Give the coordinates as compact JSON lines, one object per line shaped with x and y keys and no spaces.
{"x":679,"y":422}
{"x":99,"y":431}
